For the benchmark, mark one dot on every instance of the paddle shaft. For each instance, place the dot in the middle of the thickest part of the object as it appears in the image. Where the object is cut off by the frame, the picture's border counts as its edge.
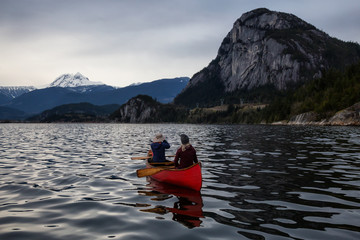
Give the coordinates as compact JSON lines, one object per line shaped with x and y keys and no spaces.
{"x":147,"y":157}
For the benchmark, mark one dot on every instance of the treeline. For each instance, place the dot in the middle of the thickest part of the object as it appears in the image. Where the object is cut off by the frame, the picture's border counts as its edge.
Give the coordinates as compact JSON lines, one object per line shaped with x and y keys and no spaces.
{"x":325,"y":96}
{"x":76,"y":112}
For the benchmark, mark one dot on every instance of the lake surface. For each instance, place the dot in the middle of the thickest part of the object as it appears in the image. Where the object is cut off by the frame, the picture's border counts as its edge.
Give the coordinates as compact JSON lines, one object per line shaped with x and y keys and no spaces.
{"x":77,"y":181}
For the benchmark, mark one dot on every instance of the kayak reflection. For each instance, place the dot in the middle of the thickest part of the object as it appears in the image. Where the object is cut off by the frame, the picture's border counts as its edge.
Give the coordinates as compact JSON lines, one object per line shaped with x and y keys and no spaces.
{"x":187,"y":209}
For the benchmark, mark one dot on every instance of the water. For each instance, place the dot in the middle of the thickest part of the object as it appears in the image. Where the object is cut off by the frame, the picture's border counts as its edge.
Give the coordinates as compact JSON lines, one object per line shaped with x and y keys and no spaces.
{"x":77,"y":181}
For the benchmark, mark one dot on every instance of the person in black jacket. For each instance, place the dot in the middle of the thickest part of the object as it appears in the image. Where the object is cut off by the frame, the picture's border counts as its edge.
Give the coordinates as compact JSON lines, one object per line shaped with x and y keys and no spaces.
{"x":158,"y":147}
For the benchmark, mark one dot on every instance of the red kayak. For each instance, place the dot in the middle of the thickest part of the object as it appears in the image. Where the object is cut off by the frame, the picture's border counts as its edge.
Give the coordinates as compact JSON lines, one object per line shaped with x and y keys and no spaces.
{"x":187,"y":177}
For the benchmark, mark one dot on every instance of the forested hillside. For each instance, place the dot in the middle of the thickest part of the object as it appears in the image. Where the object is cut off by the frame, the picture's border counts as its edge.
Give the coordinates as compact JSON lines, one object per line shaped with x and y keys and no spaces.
{"x":325,"y":96}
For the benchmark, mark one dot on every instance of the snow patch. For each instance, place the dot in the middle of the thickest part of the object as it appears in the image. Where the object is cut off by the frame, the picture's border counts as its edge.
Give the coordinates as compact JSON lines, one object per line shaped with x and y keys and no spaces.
{"x":15,"y":91}
{"x":73,"y":80}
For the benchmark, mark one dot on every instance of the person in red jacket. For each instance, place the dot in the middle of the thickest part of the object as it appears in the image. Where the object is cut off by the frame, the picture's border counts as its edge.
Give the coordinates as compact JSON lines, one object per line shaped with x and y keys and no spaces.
{"x":186,"y":154}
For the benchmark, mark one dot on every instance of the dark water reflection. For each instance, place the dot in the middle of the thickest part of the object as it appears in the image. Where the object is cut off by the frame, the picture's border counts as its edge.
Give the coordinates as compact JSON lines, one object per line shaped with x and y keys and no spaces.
{"x":187,"y":208}
{"x":76,"y":181}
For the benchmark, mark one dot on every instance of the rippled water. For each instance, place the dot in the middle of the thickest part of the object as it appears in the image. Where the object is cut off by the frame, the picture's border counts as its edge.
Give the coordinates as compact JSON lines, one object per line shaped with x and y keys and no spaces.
{"x":77,"y":181}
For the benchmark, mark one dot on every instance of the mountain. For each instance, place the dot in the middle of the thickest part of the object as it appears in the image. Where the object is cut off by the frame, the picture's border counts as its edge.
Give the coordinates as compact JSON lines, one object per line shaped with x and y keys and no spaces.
{"x":145,"y":109}
{"x":266,"y":52}
{"x":163,"y":90}
{"x":76,"y":112}
{"x":73,"y":80}
{"x":11,"y":114}
{"x":39,"y":100}
{"x":9,"y":93}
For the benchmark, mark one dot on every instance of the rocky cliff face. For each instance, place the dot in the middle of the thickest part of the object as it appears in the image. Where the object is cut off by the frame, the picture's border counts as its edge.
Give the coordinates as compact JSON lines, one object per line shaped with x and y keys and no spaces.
{"x":252,"y":54}
{"x":139,"y":109}
{"x":304,"y":118}
{"x":270,"y":48}
{"x":347,"y":117}
{"x":144,"y":109}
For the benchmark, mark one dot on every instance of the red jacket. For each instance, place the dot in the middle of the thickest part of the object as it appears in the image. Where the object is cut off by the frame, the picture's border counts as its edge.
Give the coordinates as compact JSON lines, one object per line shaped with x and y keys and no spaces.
{"x":186,"y":158}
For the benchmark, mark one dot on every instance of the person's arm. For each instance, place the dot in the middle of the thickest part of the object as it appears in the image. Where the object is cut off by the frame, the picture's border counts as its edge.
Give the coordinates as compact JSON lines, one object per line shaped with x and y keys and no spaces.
{"x":195,"y":157}
{"x":176,"y":159}
{"x":166,"y":144}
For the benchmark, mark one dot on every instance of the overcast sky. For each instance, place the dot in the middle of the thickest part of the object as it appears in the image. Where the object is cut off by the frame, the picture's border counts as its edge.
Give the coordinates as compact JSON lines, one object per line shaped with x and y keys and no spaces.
{"x":120,"y":42}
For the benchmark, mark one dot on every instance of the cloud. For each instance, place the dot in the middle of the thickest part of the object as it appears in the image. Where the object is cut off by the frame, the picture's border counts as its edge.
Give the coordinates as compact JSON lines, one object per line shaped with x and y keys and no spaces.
{"x":121,"y":42}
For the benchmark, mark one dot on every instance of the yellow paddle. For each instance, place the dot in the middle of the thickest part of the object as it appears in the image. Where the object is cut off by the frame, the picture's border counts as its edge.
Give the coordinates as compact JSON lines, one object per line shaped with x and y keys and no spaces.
{"x":151,"y":171}
{"x":141,"y":158}
{"x":147,"y":157}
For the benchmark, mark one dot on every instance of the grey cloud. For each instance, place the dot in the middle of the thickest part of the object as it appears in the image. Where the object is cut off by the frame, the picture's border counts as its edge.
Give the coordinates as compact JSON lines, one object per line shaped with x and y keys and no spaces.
{"x":152,"y":33}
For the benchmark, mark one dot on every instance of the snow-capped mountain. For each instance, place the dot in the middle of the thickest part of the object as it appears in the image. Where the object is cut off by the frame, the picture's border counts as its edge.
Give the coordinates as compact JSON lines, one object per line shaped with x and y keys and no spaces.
{"x":164,"y":90}
{"x":13,"y":92}
{"x":73,"y":80}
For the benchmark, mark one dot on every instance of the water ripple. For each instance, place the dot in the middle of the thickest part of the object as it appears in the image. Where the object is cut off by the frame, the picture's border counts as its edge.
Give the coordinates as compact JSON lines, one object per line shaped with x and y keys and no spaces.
{"x":77,"y":181}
